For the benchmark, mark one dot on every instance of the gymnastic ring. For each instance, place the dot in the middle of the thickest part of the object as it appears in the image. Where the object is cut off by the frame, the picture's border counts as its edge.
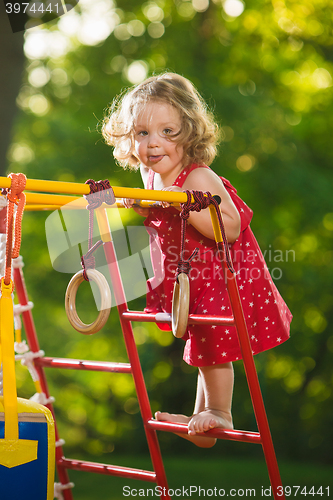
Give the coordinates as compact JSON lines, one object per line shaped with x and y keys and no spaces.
{"x":180,"y":305}
{"x":70,"y":297}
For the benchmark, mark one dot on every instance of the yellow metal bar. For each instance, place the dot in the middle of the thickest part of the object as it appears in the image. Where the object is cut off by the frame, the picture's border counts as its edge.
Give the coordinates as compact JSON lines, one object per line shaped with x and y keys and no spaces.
{"x":38,"y":202}
{"x":103,"y":224}
{"x":215,"y":223}
{"x":50,"y":186}
{"x":52,"y":199}
{"x":72,"y":206}
{"x":147,"y":194}
{"x":38,"y":387}
{"x":18,"y":335}
{"x":81,"y":189}
{"x":41,"y":208}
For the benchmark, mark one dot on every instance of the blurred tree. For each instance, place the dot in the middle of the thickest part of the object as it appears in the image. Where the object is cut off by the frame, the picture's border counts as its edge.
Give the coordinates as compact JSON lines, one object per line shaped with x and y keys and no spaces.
{"x":12,"y":65}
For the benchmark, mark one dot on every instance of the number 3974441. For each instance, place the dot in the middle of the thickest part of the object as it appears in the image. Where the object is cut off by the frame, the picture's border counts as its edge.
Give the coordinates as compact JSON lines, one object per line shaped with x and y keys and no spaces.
{"x":33,"y":8}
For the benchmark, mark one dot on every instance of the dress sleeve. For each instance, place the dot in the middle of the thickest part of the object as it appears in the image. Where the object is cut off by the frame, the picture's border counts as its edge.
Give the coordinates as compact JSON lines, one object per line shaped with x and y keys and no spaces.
{"x":245,"y":212}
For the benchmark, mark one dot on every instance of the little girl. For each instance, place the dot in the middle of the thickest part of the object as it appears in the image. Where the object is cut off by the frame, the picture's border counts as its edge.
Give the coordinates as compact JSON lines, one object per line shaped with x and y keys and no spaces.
{"x":163,"y":127}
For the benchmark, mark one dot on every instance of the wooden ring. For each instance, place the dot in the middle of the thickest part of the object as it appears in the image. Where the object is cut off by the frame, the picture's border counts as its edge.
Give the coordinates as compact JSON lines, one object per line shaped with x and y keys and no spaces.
{"x":70,"y":297}
{"x":180,"y":305}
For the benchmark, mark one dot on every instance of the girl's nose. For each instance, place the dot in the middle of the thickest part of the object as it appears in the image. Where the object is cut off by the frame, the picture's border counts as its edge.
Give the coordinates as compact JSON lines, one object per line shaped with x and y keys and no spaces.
{"x":153,"y":140}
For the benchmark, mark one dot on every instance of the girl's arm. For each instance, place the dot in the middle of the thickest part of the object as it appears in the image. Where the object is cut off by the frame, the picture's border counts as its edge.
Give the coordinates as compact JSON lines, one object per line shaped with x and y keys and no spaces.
{"x":206,"y":180}
{"x":128,"y":202}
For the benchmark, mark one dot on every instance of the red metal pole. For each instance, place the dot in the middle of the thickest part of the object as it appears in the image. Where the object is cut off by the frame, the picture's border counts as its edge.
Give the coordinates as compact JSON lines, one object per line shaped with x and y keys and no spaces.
{"x":252,"y":379}
{"x":193,"y":319}
{"x":109,"y":470}
{"x":79,"y":364}
{"x":230,"y":435}
{"x":132,"y":351}
{"x":133,"y":356}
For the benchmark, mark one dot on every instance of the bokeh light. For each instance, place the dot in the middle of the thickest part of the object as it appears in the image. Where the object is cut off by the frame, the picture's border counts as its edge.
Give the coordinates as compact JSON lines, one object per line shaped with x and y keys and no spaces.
{"x":137,"y":72}
{"x":20,"y":153}
{"x":245,"y":163}
{"x":153,"y":12}
{"x":200,"y":5}
{"x":40,"y":44}
{"x":39,"y":76}
{"x":233,"y":8}
{"x":39,"y":105}
{"x":156,"y":30}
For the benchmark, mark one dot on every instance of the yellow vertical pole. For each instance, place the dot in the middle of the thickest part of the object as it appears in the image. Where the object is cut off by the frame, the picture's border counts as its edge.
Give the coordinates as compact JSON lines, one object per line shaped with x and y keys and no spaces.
{"x":8,"y":360}
{"x":215,"y":223}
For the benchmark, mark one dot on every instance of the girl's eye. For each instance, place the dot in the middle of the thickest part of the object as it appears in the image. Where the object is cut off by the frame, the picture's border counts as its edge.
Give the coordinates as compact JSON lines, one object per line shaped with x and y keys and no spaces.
{"x":143,"y":133}
{"x":167,"y":131}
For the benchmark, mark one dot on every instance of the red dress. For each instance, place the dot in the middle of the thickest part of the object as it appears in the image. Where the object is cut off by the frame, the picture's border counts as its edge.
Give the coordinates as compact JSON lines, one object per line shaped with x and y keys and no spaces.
{"x":267,"y":315}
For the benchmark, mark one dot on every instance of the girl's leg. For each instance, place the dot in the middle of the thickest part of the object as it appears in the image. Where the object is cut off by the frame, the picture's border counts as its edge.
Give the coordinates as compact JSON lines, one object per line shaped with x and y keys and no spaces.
{"x":183,"y":419}
{"x":200,"y":404}
{"x":214,"y":399}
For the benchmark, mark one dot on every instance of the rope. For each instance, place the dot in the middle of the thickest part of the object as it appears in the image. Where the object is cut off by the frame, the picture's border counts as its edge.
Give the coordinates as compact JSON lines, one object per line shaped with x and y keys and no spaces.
{"x":2,"y":253}
{"x":20,"y":346}
{"x":19,"y":308}
{"x":27,"y":360}
{"x":58,"y":489}
{"x":184,"y":265}
{"x":18,"y":262}
{"x":60,"y":442}
{"x":201,"y":201}
{"x":103,"y":193}
{"x":15,"y":196}
{"x":41,"y":399}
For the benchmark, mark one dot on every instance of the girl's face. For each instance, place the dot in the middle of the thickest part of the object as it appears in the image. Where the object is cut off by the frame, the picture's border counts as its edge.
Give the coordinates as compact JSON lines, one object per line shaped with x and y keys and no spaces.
{"x":153,"y":130}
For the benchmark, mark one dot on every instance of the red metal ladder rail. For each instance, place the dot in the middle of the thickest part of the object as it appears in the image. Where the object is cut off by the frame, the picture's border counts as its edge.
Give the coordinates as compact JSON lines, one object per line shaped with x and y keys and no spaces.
{"x":62,"y":463}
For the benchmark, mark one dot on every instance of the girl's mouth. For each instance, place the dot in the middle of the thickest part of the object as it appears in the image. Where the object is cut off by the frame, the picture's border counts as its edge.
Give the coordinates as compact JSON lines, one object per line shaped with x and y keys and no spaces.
{"x":156,"y":158}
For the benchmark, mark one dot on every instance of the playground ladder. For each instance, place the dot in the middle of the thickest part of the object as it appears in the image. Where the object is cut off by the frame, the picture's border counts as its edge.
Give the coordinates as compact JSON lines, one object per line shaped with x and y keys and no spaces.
{"x":126,"y":316}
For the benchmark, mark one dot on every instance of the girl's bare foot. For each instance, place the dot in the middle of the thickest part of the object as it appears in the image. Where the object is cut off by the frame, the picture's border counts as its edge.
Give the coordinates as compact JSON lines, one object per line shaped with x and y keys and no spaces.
{"x":209,"y":419}
{"x":201,"y":441}
{"x":172,"y":417}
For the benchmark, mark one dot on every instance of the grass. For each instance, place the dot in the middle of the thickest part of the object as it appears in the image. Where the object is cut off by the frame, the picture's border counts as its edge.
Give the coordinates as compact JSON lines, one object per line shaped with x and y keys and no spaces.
{"x":216,"y":478}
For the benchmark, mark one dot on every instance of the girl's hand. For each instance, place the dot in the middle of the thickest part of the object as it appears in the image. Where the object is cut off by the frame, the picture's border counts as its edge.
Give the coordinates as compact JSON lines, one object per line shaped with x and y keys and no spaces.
{"x":130,"y":202}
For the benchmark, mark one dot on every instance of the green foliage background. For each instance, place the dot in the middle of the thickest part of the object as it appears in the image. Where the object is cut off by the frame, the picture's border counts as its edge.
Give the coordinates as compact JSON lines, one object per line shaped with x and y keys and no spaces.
{"x":267,"y":73}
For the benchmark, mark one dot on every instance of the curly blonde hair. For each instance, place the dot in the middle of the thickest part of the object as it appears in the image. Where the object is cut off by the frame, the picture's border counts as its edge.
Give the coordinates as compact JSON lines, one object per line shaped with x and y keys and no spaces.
{"x":199,"y":134}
